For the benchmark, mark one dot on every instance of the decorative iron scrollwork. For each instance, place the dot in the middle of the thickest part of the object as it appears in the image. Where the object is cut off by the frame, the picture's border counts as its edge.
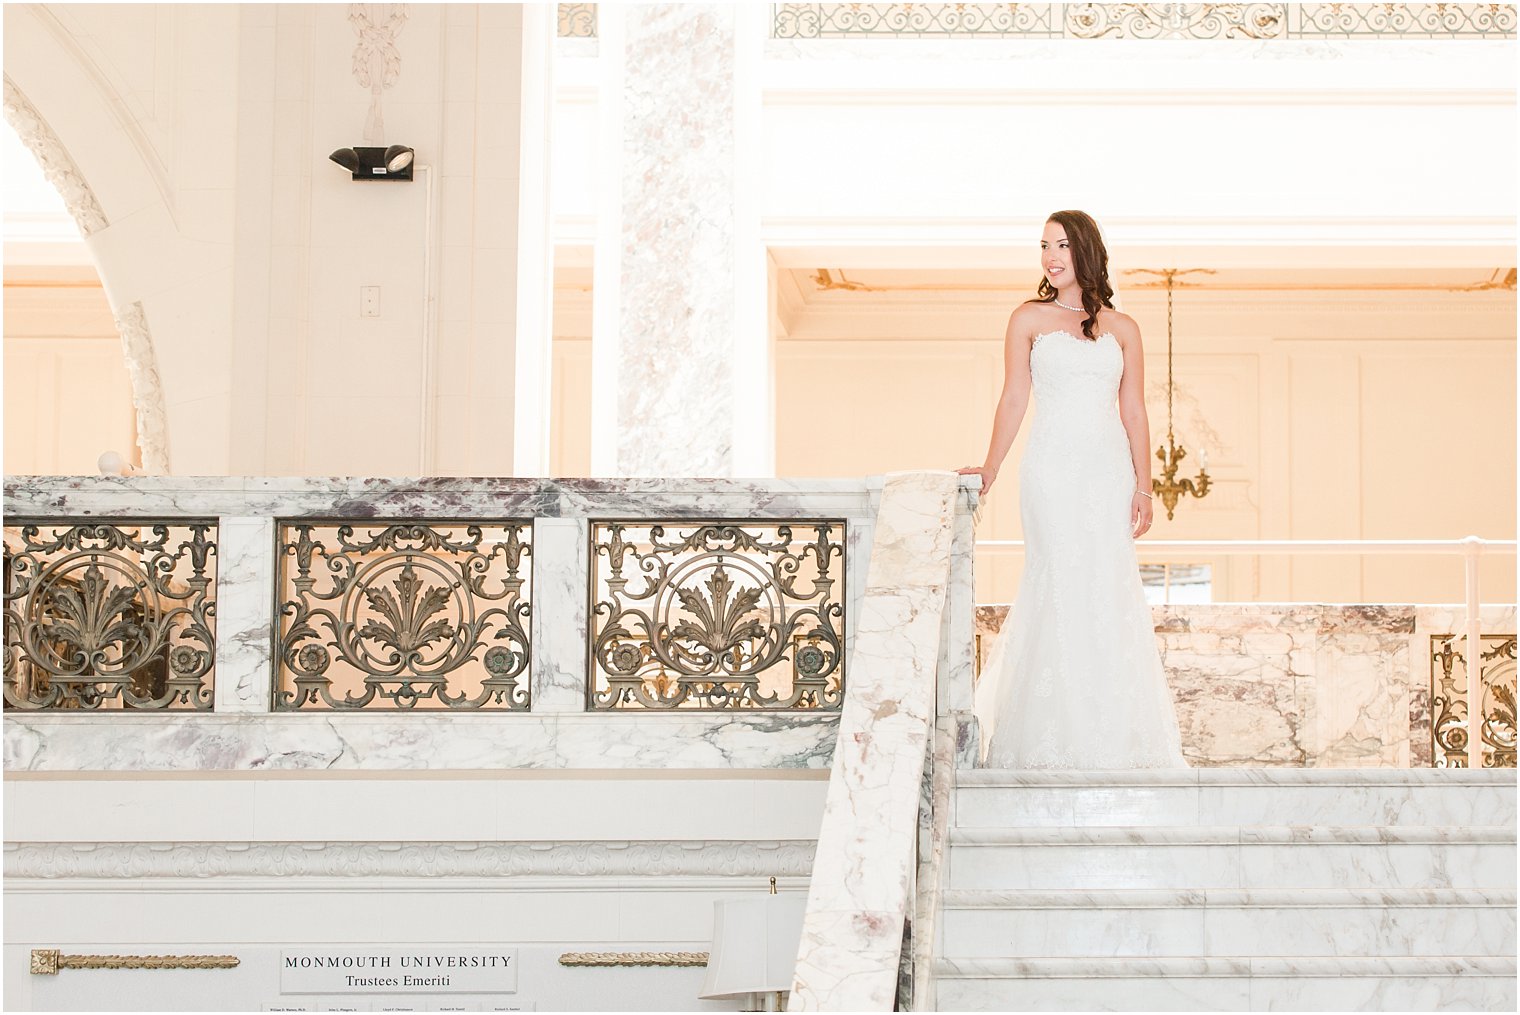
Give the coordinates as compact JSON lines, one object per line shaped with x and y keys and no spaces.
{"x":48,"y":961}
{"x":405,"y":611}
{"x":707,"y":618}
{"x":1411,"y":21}
{"x":822,"y":21}
{"x":1449,"y":685}
{"x":576,"y":21}
{"x":109,"y":616}
{"x":1144,"y":21}
{"x":633,"y":959}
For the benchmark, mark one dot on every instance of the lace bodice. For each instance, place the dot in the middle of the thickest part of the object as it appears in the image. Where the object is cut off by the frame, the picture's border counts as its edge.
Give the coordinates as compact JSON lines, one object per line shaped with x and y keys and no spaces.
{"x":1076,"y":391}
{"x":1063,"y":363}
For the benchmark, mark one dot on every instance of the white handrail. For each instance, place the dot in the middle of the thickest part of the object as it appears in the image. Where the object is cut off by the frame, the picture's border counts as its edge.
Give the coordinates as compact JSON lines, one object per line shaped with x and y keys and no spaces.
{"x":1471,"y":548}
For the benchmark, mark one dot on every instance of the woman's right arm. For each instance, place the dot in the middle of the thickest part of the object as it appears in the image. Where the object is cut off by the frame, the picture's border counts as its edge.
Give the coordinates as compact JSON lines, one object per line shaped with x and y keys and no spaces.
{"x":1013,"y":402}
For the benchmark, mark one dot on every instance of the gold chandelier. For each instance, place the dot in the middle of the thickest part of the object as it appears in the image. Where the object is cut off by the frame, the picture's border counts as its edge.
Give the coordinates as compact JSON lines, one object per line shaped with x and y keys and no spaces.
{"x":1169,"y":487}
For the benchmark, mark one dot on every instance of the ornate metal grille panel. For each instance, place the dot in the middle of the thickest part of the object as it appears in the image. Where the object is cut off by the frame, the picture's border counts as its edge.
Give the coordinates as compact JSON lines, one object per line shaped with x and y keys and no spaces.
{"x":404,"y":615}
{"x":717,"y":615}
{"x":1145,"y":21}
{"x":577,"y":21}
{"x":114,"y":616}
{"x":1408,"y":21}
{"x":1449,"y":700}
{"x":836,"y":21}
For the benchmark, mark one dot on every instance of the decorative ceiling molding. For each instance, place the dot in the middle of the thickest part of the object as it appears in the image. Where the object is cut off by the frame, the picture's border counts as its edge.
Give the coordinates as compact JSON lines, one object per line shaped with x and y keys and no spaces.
{"x":1251,"y":22}
{"x":835,"y":280}
{"x":110,"y":93}
{"x":992,"y":231}
{"x":147,"y":390}
{"x":57,"y":164}
{"x":1036,"y":96}
{"x":377,"y":58}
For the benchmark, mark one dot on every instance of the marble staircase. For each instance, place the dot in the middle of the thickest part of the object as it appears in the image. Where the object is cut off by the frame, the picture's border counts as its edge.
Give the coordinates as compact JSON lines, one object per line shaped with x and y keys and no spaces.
{"x":1229,"y":889}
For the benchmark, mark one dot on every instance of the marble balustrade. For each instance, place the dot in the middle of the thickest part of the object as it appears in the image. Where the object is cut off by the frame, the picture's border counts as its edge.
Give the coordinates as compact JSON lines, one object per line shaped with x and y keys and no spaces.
{"x":881,"y":840}
{"x":1317,"y":685}
{"x":1299,"y":685}
{"x":558,"y":731}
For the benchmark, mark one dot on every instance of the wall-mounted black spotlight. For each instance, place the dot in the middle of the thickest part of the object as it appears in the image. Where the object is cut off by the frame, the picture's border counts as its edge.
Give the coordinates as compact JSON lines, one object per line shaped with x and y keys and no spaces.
{"x":393,"y":163}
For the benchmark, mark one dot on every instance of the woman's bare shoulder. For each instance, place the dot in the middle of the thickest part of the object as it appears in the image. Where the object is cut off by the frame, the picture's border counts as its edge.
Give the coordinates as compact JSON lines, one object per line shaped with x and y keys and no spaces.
{"x":1124,"y":327}
{"x":1024,"y":319}
{"x":1117,"y":318}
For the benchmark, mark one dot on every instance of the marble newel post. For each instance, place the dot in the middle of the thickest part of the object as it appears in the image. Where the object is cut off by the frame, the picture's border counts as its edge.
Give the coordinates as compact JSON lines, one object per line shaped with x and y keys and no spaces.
{"x":681,"y":365}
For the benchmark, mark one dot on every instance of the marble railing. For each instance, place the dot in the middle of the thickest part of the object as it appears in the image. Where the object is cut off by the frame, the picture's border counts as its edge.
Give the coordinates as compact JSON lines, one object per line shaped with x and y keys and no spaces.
{"x":557,"y":714}
{"x":886,"y":818}
{"x":1316,"y":685}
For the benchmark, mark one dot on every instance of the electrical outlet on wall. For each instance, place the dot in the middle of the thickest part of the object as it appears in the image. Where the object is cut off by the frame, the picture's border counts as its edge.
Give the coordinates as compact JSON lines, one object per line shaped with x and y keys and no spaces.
{"x":369,"y":301}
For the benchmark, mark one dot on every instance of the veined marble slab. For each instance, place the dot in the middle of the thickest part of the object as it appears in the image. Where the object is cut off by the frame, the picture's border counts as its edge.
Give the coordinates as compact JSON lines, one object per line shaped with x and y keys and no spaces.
{"x":1299,"y":685}
{"x":435,"y":496}
{"x":862,"y":882}
{"x":677,"y":340}
{"x":393,"y":741}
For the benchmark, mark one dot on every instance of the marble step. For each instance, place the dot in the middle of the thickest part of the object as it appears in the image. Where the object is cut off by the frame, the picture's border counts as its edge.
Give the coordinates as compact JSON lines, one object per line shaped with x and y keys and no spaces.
{"x":1228,"y":922}
{"x":987,"y":798}
{"x":1407,"y":983}
{"x":1233,"y":856}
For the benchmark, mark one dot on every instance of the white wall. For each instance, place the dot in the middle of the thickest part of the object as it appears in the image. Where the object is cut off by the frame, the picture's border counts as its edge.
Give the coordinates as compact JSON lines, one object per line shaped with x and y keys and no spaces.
{"x":542,"y":983}
{"x":704,"y":827}
{"x":204,"y":130}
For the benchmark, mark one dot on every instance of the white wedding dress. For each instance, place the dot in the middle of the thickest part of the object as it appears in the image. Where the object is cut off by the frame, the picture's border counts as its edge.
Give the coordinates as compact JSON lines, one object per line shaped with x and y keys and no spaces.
{"x":1077,"y":681}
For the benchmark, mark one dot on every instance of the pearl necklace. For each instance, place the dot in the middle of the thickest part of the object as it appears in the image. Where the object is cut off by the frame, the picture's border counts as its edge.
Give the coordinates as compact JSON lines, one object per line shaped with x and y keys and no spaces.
{"x":1080,"y":310}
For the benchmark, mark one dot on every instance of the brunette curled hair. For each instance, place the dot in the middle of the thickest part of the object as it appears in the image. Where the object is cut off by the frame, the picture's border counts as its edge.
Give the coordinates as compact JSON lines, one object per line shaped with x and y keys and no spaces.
{"x":1089,"y":260}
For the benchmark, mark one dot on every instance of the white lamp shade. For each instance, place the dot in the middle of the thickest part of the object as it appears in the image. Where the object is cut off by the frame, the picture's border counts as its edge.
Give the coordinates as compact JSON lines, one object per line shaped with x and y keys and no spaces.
{"x":754,"y":948}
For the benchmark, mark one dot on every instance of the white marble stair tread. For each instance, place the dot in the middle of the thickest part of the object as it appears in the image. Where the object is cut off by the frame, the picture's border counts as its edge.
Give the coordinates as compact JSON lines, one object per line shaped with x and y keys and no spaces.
{"x":1410,"y":983}
{"x":1261,"y":993}
{"x":1233,"y":856}
{"x":990,"y":799}
{"x":1200,"y":966}
{"x":1338,"y":898}
{"x":1214,"y":922}
{"x":1192,"y":891}
{"x":1229,"y":834}
{"x":1237,"y":777}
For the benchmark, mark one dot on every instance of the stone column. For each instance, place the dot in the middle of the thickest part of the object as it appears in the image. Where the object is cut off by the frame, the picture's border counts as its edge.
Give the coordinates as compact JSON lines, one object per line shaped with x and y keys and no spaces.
{"x":680,"y":374}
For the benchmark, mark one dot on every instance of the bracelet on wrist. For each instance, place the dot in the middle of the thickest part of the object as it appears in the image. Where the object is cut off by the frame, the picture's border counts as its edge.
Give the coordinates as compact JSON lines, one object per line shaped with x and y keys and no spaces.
{"x":1144,"y":494}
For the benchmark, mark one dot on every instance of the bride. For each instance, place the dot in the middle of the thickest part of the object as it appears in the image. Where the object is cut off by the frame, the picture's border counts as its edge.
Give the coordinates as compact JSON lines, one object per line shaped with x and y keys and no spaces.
{"x":1075,"y":673}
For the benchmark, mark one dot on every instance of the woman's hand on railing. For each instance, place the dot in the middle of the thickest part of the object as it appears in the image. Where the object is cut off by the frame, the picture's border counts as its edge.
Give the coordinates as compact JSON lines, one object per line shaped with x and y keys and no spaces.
{"x":988,"y":475}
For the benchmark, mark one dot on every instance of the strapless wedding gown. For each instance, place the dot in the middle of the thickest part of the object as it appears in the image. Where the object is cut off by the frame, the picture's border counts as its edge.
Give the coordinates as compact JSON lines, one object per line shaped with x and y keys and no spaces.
{"x":1078,"y":678}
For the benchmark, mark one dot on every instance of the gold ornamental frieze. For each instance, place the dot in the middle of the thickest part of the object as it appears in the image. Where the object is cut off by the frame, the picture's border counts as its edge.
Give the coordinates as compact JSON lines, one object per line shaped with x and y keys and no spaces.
{"x":633,"y":959}
{"x":1252,"y":22}
{"x":48,"y":961}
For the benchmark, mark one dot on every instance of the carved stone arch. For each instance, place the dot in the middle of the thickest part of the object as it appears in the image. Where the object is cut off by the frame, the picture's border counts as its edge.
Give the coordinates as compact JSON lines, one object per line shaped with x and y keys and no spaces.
{"x":131,"y":321}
